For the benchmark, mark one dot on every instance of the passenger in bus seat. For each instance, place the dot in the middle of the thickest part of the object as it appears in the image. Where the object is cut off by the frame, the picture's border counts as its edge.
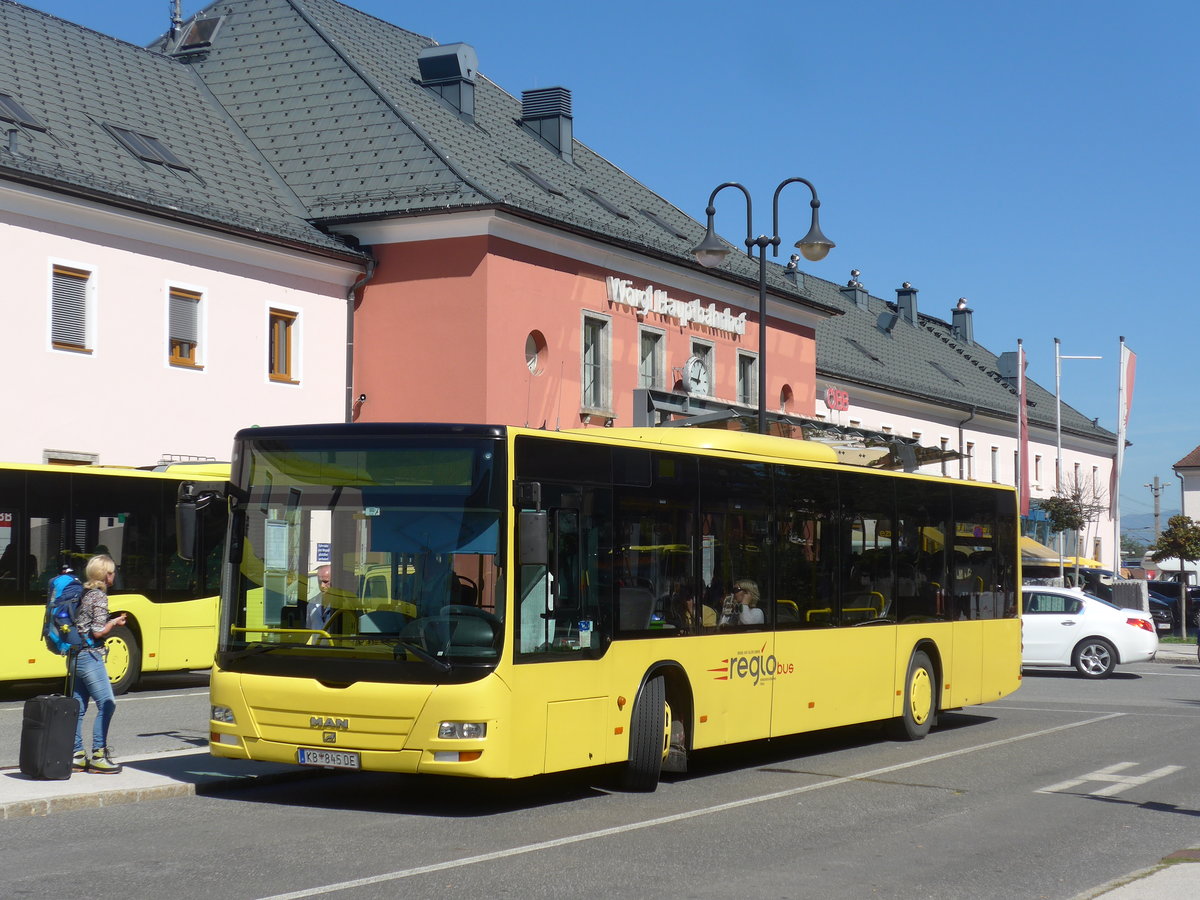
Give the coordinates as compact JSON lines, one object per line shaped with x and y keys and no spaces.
{"x":741,"y":607}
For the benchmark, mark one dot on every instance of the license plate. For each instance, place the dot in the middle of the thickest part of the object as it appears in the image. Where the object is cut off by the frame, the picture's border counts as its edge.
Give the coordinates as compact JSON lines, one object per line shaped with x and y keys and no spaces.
{"x":335,"y":759}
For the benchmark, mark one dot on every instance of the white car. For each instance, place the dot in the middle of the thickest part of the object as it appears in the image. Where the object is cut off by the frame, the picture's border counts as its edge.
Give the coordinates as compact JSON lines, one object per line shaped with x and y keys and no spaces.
{"x":1066,"y":627}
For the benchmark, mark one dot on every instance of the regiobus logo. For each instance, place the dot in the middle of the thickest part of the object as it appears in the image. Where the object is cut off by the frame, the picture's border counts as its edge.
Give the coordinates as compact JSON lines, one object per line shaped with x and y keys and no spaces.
{"x":755,"y":664}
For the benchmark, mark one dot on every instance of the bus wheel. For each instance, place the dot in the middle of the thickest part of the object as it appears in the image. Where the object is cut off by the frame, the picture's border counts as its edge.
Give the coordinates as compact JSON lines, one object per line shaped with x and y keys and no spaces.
{"x":920,"y":700}
{"x":646,"y":737}
{"x":124,"y":661}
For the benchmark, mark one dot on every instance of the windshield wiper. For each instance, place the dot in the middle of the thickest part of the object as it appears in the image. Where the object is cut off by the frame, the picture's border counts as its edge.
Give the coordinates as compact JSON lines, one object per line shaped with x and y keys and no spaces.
{"x":421,"y":653}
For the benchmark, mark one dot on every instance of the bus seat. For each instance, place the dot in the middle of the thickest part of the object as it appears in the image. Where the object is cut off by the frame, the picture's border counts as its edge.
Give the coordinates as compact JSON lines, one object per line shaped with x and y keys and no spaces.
{"x":636,"y":606}
{"x":786,"y":611}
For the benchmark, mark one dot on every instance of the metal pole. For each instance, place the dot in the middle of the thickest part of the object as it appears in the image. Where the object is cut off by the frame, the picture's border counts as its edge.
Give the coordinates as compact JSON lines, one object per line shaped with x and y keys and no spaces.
{"x":1058,"y":443}
{"x":762,"y":243}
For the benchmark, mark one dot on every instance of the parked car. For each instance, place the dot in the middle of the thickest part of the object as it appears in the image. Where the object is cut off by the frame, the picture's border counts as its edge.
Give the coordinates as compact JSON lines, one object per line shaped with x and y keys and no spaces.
{"x":1066,"y":627}
{"x":1163,"y":613}
{"x":1169,"y":592}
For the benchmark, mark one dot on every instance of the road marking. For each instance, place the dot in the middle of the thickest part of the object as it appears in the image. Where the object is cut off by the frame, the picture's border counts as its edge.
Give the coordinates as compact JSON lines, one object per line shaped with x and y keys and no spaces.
{"x":1115,"y":783}
{"x":667,"y":820}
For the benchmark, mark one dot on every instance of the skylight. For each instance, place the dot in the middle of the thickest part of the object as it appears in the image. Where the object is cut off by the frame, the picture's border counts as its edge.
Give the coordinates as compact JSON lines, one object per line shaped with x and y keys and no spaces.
{"x":148,"y":149}
{"x":198,"y":35}
{"x":12,"y":111}
{"x":536,"y":179}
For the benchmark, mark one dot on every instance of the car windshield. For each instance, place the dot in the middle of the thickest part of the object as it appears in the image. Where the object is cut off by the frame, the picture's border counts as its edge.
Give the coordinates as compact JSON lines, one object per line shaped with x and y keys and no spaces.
{"x":381,"y":556}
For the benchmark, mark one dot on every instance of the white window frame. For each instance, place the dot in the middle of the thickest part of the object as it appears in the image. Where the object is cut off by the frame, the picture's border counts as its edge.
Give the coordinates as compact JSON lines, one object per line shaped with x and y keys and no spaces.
{"x":658,"y":376}
{"x":89,"y":305}
{"x":996,"y":465}
{"x":706,"y":351}
{"x":171,"y":288}
{"x":747,"y":394}
{"x":603,"y":365}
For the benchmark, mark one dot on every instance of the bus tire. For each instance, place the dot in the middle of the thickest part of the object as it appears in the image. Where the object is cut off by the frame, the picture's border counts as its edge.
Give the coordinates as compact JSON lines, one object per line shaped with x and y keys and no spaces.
{"x":124,"y":662}
{"x":646,"y":726}
{"x":920,"y":700}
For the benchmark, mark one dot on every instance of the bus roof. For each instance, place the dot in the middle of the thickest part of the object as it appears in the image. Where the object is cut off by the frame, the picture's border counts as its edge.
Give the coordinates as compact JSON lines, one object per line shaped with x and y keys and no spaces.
{"x":208,"y":471}
{"x":721,"y":440}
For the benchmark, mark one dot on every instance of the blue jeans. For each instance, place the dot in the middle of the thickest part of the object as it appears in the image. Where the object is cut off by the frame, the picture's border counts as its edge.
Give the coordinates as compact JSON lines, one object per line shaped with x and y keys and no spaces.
{"x":91,"y":682}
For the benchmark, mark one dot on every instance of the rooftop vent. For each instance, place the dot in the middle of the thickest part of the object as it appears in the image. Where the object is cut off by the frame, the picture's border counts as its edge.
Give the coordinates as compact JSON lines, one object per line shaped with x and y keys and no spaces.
{"x":906,"y":303}
{"x":547,"y":113}
{"x":449,"y":71}
{"x":854,"y":291}
{"x":960,"y":322}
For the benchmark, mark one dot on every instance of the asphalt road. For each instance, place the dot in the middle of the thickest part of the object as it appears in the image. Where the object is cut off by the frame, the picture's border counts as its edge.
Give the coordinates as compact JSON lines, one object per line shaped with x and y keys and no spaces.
{"x":1063,"y":786}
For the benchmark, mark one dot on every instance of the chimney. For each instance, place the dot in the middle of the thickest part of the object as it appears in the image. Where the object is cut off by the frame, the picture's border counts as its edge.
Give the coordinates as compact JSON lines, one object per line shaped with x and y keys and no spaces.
{"x":960,"y":322}
{"x":547,"y":113}
{"x":854,"y":291}
{"x":906,"y":303}
{"x":449,"y":71}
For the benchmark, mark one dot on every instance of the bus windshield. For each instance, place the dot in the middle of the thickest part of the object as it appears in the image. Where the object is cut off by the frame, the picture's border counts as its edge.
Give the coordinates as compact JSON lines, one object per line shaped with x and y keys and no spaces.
{"x":363,"y":560}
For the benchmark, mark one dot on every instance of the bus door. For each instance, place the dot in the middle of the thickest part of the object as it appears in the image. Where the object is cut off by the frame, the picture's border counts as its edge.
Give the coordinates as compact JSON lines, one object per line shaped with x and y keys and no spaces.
{"x":561,"y":624}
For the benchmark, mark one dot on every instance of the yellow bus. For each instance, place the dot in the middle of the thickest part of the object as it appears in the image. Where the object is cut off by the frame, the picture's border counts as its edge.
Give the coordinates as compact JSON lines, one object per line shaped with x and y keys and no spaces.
{"x":55,"y":515}
{"x":554,"y":601}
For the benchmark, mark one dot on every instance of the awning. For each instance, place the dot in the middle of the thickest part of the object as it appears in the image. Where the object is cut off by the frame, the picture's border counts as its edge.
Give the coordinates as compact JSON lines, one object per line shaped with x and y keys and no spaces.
{"x":1082,"y":561}
{"x":1031,"y":549}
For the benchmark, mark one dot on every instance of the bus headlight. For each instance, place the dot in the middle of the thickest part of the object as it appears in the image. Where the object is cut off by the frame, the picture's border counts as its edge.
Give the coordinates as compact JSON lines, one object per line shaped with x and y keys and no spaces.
{"x":222,"y":714}
{"x":462,"y":730}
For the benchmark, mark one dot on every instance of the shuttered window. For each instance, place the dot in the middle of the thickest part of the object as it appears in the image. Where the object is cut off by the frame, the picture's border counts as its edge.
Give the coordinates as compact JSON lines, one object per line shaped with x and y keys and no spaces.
{"x":281,"y":352}
{"x":184,"y":327}
{"x":68,"y":309}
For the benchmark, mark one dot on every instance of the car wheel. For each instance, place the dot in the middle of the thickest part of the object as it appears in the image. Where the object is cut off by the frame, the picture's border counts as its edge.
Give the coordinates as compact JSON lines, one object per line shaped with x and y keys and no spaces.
{"x":1094,"y":658}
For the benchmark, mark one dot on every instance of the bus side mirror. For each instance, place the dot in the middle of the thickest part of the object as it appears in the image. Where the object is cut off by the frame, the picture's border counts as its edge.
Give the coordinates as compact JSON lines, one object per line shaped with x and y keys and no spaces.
{"x":533,"y":546}
{"x":187,"y":512}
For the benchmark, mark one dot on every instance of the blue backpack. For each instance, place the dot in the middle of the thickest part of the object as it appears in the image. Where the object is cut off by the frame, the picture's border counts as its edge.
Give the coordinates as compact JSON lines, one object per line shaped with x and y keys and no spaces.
{"x":62,"y":608}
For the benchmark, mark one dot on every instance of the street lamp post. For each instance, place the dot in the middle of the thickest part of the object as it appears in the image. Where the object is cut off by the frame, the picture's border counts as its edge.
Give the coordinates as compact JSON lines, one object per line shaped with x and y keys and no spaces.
{"x":712,"y":251}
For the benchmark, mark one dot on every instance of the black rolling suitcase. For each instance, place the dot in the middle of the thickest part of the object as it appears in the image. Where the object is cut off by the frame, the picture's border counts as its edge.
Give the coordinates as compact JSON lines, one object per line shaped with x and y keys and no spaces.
{"x":48,"y":734}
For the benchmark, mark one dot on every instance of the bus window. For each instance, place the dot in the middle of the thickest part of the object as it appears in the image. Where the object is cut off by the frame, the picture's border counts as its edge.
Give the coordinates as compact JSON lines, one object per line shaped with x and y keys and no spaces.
{"x":807,"y":551}
{"x":984,"y":532}
{"x":921,"y":594}
{"x":868,"y":565}
{"x":653,"y":551}
{"x":735,"y":521}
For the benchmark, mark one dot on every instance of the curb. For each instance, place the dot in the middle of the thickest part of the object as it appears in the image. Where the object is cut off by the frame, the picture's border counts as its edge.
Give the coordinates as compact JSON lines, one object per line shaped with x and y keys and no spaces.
{"x":185,"y":784}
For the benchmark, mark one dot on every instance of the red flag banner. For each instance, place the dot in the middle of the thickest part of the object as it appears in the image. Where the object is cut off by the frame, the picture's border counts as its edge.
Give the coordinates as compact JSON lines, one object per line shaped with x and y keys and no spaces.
{"x":1022,"y":429}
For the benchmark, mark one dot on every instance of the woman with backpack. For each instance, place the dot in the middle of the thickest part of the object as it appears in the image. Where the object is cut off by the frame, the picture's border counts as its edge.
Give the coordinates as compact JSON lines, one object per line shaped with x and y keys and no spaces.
{"x":91,"y":675}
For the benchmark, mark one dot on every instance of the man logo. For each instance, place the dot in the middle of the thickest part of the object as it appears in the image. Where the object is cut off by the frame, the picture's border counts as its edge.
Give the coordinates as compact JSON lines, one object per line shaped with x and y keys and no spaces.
{"x":329,"y":737}
{"x":325,"y":722}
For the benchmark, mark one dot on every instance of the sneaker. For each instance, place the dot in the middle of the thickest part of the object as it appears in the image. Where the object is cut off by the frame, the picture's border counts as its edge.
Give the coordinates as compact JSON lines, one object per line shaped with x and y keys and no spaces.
{"x":79,"y":762}
{"x":102,"y":762}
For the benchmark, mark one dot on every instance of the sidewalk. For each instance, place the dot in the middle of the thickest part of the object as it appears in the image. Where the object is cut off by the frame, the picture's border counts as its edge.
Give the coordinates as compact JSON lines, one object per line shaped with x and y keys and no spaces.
{"x":177,"y":774}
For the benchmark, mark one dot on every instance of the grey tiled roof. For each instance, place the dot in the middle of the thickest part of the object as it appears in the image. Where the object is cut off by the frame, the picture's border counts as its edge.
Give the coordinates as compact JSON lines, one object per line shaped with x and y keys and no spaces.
{"x":75,"y":81}
{"x":331,"y":97}
{"x":966,"y":375}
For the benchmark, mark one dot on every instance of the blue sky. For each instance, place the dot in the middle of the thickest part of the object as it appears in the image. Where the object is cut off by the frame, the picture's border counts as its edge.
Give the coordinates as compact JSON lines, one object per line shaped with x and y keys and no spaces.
{"x":1038,"y":158}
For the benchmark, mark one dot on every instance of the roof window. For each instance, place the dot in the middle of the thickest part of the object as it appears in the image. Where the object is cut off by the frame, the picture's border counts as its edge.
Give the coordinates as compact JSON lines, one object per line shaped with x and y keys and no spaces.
{"x":537,"y":179}
{"x":602,"y":202}
{"x":12,"y":111}
{"x":148,"y":149}
{"x":198,"y":35}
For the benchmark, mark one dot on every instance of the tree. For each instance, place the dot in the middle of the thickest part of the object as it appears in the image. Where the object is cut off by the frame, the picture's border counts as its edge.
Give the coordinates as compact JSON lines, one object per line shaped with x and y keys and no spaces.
{"x":1133,"y":546}
{"x":1072,"y":508}
{"x":1180,"y":541}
